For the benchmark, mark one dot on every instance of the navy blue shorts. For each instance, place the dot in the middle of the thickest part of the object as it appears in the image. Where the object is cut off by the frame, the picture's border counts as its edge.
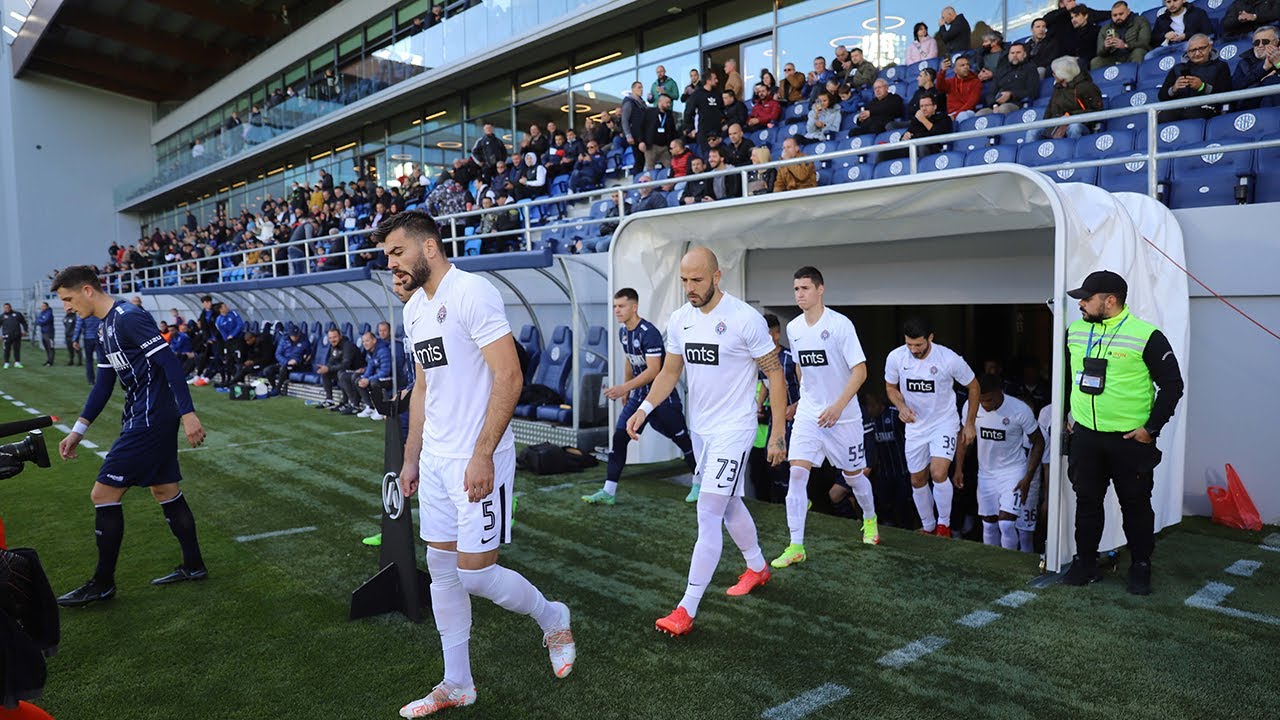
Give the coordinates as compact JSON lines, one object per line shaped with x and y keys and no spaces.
{"x":667,"y":418}
{"x":142,"y":458}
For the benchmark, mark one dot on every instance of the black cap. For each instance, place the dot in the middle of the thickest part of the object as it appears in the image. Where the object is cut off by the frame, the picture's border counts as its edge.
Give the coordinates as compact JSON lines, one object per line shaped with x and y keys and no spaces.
{"x":1100,"y":281}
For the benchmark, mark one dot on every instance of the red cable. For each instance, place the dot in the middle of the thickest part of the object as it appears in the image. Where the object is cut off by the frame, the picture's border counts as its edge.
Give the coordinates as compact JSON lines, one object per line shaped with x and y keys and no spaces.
{"x":1225,"y":301}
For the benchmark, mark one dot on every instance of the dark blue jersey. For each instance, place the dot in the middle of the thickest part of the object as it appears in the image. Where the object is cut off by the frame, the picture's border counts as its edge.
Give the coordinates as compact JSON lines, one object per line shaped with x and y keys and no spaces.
{"x":129,"y":338}
{"x":640,"y":345}
{"x":887,"y":454}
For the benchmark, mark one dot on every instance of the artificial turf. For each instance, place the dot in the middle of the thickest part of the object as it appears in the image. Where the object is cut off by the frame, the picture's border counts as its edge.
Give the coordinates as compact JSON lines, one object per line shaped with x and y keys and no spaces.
{"x":267,"y":635}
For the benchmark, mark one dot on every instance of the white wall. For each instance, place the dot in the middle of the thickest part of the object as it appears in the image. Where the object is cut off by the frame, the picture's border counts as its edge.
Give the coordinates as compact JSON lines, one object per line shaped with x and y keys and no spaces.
{"x":63,"y":149}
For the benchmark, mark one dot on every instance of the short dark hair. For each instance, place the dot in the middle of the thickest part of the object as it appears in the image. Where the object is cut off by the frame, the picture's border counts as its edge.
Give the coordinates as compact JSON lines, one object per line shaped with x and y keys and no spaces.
{"x":1018,"y":44}
{"x":628,"y":293}
{"x":808,"y":272}
{"x":76,"y":277}
{"x":1119,"y":3}
{"x":1080,"y":9}
{"x":716,"y":150}
{"x":989,"y":383}
{"x":206,"y":298}
{"x":917,"y":327}
{"x":730,"y":93}
{"x":416,"y":223}
{"x":772,"y":321}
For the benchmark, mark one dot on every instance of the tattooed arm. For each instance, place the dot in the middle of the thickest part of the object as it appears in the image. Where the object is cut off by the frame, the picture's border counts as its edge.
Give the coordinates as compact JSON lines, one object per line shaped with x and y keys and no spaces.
{"x":771,"y":367}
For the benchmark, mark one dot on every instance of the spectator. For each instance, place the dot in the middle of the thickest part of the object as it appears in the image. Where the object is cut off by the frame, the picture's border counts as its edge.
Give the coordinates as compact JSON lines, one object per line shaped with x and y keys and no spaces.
{"x":732,"y":78}
{"x":649,"y":199}
{"x":793,"y":88}
{"x":574,"y":145}
{"x":824,"y":120}
{"x":1073,"y":94}
{"x":44,"y":321}
{"x":760,"y":182}
{"x":1017,"y":83}
{"x":299,"y":248}
{"x":735,"y":113}
{"x":259,"y":354}
{"x":1180,"y":21}
{"x":13,"y":325}
{"x":923,"y":47}
{"x":534,"y":142}
{"x":1082,"y":38}
{"x":818,"y":77}
{"x":695,"y":82}
{"x":738,"y":149}
{"x":953,"y":32}
{"x":842,"y":63}
{"x":681,"y":159}
{"x":588,"y":171}
{"x":558,"y":161}
{"x":1245,"y":16}
{"x":929,"y":120}
{"x":1127,"y":38}
{"x":340,"y":357}
{"x":1200,"y":75}
{"x":376,"y":378}
{"x":795,"y":176}
{"x":699,"y":190}
{"x":532,"y":182}
{"x":69,"y":322}
{"x":702,"y":114}
{"x":769,"y":82}
{"x":863,"y":72}
{"x":659,"y":129}
{"x":293,"y":354}
{"x":632,"y":114}
{"x":850,"y":104}
{"x":230,"y":327}
{"x":924,"y":88}
{"x":883,"y":109}
{"x":766,"y":110}
{"x":991,"y":57}
{"x":723,"y":186}
{"x":662,"y":85}
{"x":488,"y":152}
{"x":1260,"y":67}
{"x":181,"y":344}
{"x":1042,"y":49}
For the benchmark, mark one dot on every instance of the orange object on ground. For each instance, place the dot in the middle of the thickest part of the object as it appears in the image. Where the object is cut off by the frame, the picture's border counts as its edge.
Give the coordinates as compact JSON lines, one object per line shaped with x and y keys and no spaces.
{"x":1232,"y":505}
{"x":25,"y":711}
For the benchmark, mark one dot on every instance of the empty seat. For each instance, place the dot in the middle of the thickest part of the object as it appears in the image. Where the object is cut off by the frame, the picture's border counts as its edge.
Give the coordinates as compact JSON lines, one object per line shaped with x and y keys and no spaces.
{"x":1151,"y":73}
{"x":991,"y":155}
{"x":895,"y":74}
{"x":1173,"y":135}
{"x":761,"y":137}
{"x":823,"y":147}
{"x":941,"y":161}
{"x":1111,"y":90}
{"x":825,"y":175}
{"x":1103,"y":145}
{"x":1046,"y":152}
{"x":889,"y":136}
{"x":985,"y":122}
{"x":1132,"y":176}
{"x":915,"y":68}
{"x":594,"y":361}
{"x":847,"y":122}
{"x":1123,"y":74}
{"x":892,"y":168}
{"x":1089,"y":176}
{"x":854,"y":173}
{"x":797,"y":113}
{"x":1266,"y":184}
{"x":1214,"y":178}
{"x":1245,"y":126}
{"x":1230,"y":52}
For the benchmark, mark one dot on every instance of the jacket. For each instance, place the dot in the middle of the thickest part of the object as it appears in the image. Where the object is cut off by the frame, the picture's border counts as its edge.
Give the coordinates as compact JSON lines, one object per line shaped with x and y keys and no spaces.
{"x":706,"y":107}
{"x":590,"y":170}
{"x":343,"y":356}
{"x":1079,"y":95}
{"x":918,"y":50}
{"x":230,"y":325}
{"x":862,"y":75}
{"x":680,"y":164}
{"x":939,"y":99}
{"x":378,"y":362}
{"x":488,"y":150}
{"x":735,"y":113}
{"x":289,"y":350}
{"x":697,"y":189}
{"x":1042,"y":53}
{"x":44,"y":321}
{"x":633,"y":118}
{"x":181,"y":343}
{"x":653,"y":201}
{"x":1215,"y":74}
{"x":13,"y":324}
{"x":740,"y":154}
{"x":793,"y":89}
{"x":1194,"y":20}
{"x":1268,"y":11}
{"x":69,"y":323}
{"x":87,"y":329}
{"x":962,"y":93}
{"x":1253,"y":71}
{"x":830,"y":119}
{"x":1136,"y":33}
{"x":1021,"y":80}
{"x":263,"y":351}
{"x":954,"y":38}
{"x":726,"y":186}
{"x":884,"y":110}
{"x":795,"y":177}
{"x":767,"y":111}
{"x":659,"y":127}
{"x":667,"y":87}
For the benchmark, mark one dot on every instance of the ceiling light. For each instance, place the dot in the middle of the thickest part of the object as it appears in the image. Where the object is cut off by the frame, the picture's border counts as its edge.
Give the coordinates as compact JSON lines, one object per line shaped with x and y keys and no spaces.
{"x":20,"y":18}
{"x":449,"y":145}
{"x":10,"y":31}
{"x":442,"y":113}
{"x":348,"y":146}
{"x":552,"y":76}
{"x":597,"y":61}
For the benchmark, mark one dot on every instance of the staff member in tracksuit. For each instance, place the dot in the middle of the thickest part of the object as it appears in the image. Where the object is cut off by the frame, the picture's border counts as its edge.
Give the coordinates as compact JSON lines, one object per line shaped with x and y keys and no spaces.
{"x":44,"y":321}
{"x":13,"y":325}
{"x":1125,"y":384}
{"x":86,"y":337}
{"x":69,"y":322}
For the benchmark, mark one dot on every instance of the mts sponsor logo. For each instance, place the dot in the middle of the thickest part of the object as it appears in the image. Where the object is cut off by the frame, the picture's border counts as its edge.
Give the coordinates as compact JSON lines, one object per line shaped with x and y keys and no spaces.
{"x":919,"y":386}
{"x":702,"y":353}
{"x":991,"y":434}
{"x":430,"y":353}
{"x":813,"y":358}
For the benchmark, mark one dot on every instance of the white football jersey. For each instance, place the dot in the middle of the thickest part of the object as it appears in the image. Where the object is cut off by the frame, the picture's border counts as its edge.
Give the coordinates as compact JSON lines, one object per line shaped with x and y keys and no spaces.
{"x":1001,"y":433}
{"x":447,"y":332}
{"x":1046,"y":425}
{"x":826,"y":353}
{"x":719,"y":350}
{"x":926,"y":384}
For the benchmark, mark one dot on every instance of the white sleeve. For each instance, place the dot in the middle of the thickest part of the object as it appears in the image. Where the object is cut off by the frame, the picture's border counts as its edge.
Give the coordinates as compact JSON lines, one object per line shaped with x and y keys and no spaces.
{"x":675,"y":343}
{"x":960,"y":370}
{"x":1029,"y":422}
{"x":755,"y":334}
{"x":791,"y":346}
{"x":851,"y":346}
{"x":891,"y":368}
{"x":485,"y":314}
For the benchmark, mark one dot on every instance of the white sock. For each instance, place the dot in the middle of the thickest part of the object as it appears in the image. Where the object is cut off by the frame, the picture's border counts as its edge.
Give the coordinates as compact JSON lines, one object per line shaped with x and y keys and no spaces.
{"x":737,"y":520}
{"x":797,"y":503}
{"x":1026,"y":540}
{"x":706,"y":551}
{"x":860,"y":484}
{"x":924,"y":505}
{"x":1009,"y":534}
{"x":451,"y":606}
{"x":611,"y":487}
{"x":942,"y":493}
{"x":990,"y":532}
{"x":509,"y":590}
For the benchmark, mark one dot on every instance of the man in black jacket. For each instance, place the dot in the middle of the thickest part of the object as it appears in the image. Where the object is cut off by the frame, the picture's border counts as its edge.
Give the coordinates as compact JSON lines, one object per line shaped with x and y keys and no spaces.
{"x":1178,"y":22}
{"x":1200,"y":75}
{"x":703,"y":111}
{"x":1245,"y":16}
{"x":1016,"y":84}
{"x":723,"y":186}
{"x":1259,"y":68}
{"x":738,"y":147}
{"x":659,"y":130}
{"x":69,"y":338}
{"x":1075,"y":27}
{"x":259,"y":352}
{"x":633,"y":114}
{"x":883,"y":109}
{"x":12,"y":326}
{"x":342,"y":356}
{"x":953,"y":32}
{"x":696,"y":191}
{"x":1042,"y":49}
{"x":488,"y":152}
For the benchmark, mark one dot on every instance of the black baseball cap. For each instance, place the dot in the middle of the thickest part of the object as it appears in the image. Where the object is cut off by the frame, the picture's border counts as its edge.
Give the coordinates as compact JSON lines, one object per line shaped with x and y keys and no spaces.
{"x":1100,"y":281}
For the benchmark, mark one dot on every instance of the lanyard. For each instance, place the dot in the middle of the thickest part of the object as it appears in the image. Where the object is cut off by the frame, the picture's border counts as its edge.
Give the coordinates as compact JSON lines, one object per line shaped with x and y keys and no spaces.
{"x":1089,"y":351}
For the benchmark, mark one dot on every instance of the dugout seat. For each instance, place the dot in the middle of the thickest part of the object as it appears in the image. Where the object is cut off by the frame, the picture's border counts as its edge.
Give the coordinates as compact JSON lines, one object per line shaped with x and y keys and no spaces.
{"x":553,"y":368}
{"x":531,"y":340}
{"x":593,"y":368}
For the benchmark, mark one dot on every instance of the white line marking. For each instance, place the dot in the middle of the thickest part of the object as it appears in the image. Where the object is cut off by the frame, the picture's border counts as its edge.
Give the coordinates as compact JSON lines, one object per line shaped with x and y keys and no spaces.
{"x":19,"y":403}
{"x":32,"y":411}
{"x":1273,"y":540}
{"x":352,"y":432}
{"x":561,"y":486}
{"x":1244,"y":568}
{"x":228,"y":445}
{"x":102,"y":454}
{"x":89,"y":444}
{"x":978,"y":618}
{"x":807,"y":702}
{"x":63,"y":428}
{"x":1269,"y":548}
{"x":1017,"y":598}
{"x":1210,"y":597}
{"x":274,"y":533}
{"x":7,"y":397}
{"x":911,"y":652}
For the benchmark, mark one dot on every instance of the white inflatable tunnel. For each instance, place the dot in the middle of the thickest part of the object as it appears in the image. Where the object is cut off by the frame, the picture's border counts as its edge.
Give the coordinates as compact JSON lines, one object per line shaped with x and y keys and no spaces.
{"x":980,"y":212}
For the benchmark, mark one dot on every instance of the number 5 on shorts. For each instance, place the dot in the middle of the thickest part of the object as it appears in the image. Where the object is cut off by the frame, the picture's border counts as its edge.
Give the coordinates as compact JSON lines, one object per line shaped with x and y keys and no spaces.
{"x":491,"y":520}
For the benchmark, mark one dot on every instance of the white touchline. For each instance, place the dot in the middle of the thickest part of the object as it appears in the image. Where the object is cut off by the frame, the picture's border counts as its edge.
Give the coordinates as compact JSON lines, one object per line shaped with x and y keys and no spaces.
{"x":63,"y":428}
{"x":1269,"y":548}
{"x":561,"y":486}
{"x":19,"y":403}
{"x":978,"y":618}
{"x":1243,"y":568}
{"x":89,"y":444}
{"x":274,"y":533}
{"x":228,"y":445}
{"x":102,"y":454}
{"x":31,"y":411}
{"x":1273,"y":540}
{"x":352,"y":432}
{"x":1210,"y":597}
{"x":807,"y":702}
{"x":1017,"y":598}
{"x":911,"y":652}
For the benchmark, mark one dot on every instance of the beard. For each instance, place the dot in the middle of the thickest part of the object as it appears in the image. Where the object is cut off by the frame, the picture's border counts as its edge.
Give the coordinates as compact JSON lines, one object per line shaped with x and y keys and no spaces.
{"x":923,"y":353}
{"x":416,"y":276}
{"x":1090,"y":317}
{"x":698,"y":301}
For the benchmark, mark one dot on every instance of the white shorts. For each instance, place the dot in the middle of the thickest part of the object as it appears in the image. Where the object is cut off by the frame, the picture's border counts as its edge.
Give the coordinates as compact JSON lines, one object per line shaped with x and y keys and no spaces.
{"x":1028,"y":512}
{"x":843,"y":445}
{"x":722,"y":461}
{"x":447,"y":514}
{"x":997,"y":493}
{"x":934,"y":442}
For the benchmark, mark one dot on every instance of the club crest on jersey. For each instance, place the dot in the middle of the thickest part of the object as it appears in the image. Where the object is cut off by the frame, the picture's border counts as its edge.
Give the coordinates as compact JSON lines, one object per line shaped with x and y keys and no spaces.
{"x":720,"y":328}
{"x":430,"y":353}
{"x":442,"y":314}
{"x":1004,"y":421}
{"x":826,"y":334}
{"x":933,"y":370}
{"x":813,"y":358}
{"x":702,"y":353}
{"x":991,"y":434}
{"x":919,"y":386}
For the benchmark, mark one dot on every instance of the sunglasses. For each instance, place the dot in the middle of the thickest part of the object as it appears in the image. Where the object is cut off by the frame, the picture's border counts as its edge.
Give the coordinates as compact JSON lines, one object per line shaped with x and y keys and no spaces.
{"x":1263,"y":41}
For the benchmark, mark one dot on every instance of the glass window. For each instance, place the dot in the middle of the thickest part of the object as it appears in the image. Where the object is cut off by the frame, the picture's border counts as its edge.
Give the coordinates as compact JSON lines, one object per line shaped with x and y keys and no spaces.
{"x":554,"y":109}
{"x":322,"y":61}
{"x":295,"y":75}
{"x":542,"y":80}
{"x":488,"y":98}
{"x":611,"y":57}
{"x":350,"y":45}
{"x":417,"y":8}
{"x":674,"y":36}
{"x":600,"y":96}
{"x":1022,"y":13}
{"x":736,"y":19}
{"x":801,"y":42}
{"x":677,"y":69}
{"x":379,"y":29}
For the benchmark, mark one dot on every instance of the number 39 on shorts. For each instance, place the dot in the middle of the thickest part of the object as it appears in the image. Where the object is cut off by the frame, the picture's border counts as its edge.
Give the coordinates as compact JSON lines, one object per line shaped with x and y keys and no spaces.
{"x":949,"y":443}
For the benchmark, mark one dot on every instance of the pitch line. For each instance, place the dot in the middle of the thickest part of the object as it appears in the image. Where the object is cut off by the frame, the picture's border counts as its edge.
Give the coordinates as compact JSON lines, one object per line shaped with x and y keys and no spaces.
{"x":274,"y":533}
{"x":1243,"y":568}
{"x":807,"y":702}
{"x":352,"y":432}
{"x":1016,"y":599}
{"x":912,"y":652}
{"x":17,"y":403}
{"x":1211,"y":596}
{"x":978,"y":618}
{"x":102,"y":454}
{"x":228,"y":445}
{"x":31,"y":411}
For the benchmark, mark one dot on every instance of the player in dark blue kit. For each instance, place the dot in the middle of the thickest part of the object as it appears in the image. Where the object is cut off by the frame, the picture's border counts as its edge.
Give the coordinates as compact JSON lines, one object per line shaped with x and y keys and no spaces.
{"x":643,"y":346}
{"x":146,"y":453}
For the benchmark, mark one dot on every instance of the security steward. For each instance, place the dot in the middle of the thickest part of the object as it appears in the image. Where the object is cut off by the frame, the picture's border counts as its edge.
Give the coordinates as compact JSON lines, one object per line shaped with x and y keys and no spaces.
{"x":1125,"y":384}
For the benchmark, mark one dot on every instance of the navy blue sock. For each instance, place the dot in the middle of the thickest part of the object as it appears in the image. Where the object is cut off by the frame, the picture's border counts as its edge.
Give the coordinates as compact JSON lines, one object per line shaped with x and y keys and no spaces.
{"x":685,"y":443}
{"x":108,"y":526}
{"x":183,"y":525}
{"x":617,"y":455}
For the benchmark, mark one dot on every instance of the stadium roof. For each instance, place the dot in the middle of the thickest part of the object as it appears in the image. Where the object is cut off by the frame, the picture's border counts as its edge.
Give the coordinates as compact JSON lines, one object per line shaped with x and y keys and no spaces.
{"x":157,"y":50}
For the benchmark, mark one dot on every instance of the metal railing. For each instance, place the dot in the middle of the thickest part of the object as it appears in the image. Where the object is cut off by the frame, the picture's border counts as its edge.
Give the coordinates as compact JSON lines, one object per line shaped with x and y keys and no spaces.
{"x":173,"y":274}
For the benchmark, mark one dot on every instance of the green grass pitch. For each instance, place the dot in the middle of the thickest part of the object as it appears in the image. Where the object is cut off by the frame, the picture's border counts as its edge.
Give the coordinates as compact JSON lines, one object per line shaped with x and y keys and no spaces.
{"x":267,"y":635}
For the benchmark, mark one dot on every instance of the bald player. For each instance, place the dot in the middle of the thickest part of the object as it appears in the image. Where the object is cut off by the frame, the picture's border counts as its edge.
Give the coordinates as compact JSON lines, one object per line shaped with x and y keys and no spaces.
{"x":720,"y":342}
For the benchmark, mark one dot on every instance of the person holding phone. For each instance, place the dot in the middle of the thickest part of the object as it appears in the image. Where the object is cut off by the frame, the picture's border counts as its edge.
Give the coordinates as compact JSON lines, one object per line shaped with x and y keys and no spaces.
{"x":1201,"y":73}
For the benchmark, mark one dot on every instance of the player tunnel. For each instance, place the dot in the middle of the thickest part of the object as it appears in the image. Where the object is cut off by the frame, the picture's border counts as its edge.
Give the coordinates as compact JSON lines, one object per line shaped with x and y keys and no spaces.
{"x":987,"y":253}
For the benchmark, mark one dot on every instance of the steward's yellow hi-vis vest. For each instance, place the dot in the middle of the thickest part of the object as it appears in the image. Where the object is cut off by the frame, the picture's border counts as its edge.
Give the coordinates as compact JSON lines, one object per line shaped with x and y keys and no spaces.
{"x":1125,"y":402}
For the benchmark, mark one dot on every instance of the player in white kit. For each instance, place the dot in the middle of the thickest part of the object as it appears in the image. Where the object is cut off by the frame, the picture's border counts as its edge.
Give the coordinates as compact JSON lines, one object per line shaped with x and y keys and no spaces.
{"x":721,"y":342}
{"x":1005,"y":469}
{"x":1033,"y":507}
{"x":460,"y":451}
{"x":918,"y":377}
{"x":828,"y":424}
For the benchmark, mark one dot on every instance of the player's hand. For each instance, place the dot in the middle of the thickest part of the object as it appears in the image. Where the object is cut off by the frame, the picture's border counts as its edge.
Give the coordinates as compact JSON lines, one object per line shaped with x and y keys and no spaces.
{"x":777,"y":449}
{"x":635,"y":423}
{"x":76,"y":346}
{"x":1141,"y":435}
{"x":478,"y":478}
{"x":906,"y":415}
{"x":1024,"y":487}
{"x":791,"y":412}
{"x":363,"y":382}
{"x":958,"y":479}
{"x":830,"y":416}
{"x":615,"y":392}
{"x":408,"y":479}
{"x":67,"y":448}
{"x":968,"y":434}
{"x":194,"y":430}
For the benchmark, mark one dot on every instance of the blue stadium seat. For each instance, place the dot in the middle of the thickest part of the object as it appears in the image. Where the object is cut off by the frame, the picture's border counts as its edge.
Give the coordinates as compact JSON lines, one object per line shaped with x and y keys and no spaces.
{"x":1046,"y":152}
{"x":915,"y":68}
{"x":1131,"y":176}
{"x":1245,"y":126}
{"x":941,"y":161}
{"x":553,"y":369}
{"x":977,"y":123}
{"x":1150,"y":16}
{"x":316,"y":329}
{"x":1159,"y":51}
{"x":1266,"y":186}
{"x":889,"y":136}
{"x":673,"y":198}
{"x":600,"y":208}
{"x":797,"y":113}
{"x":1110,"y":91}
{"x":854,"y":173}
{"x":1231,"y":51}
{"x":1173,"y":135}
{"x":660,"y":173}
{"x":1216,"y":9}
{"x":594,"y":361}
{"x":1124,"y":74}
{"x":1046,"y":86}
{"x":785,"y":131}
{"x":847,"y":122}
{"x":991,"y":155}
{"x":825,"y":175}
{"x":1103,"y":145}
{"x":365,"y":327}
{"x":472,"y":247}
{"x":531,"y":340}
{"x":1211,"y":179}
{"x":1089,"y":176}
{"x":897,"y":73}
{"x":761,"y":137}
{"x":892,"y":168}
{"x":823,"y":147}
{"x":1151,"y":73}
{"x":1025,"y":115}
{"x":857,"y":141}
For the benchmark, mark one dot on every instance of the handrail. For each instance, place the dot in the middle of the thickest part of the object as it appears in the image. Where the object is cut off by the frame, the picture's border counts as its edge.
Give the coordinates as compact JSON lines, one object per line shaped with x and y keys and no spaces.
{"x":154,"y":276}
